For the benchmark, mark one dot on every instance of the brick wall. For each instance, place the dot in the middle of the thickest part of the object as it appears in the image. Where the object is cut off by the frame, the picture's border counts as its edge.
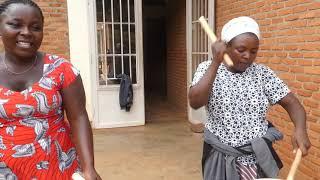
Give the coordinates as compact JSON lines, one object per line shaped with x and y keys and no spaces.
{"x":176,"y":55}
{"x":56,"y":40}
{"x":290,"y":46}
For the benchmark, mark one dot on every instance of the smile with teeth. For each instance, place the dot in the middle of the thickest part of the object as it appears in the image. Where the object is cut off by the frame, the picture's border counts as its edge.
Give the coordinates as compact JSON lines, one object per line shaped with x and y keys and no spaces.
{"x":24,"y":44}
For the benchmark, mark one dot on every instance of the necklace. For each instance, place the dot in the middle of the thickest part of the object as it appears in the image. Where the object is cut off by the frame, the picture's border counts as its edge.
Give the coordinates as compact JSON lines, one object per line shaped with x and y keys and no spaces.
{"x":19,"y":73}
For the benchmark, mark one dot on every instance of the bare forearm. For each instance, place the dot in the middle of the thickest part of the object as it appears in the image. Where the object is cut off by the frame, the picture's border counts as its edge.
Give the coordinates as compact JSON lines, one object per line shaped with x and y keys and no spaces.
{"x":295,"y":110}
{"x":297,"y":114}
{"x":298,"y":117}
{"x":199,"y":93}
{"x":82,"y":137}
{"x":74,"y":102}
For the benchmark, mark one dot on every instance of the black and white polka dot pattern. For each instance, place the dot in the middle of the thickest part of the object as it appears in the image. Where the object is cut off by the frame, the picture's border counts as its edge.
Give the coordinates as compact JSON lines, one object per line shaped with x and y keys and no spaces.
{"x":238,"y":103}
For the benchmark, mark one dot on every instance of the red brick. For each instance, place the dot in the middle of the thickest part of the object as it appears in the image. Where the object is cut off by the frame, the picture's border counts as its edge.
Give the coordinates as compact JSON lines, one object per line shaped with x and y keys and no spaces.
{"x":313,"y":70}
{"x":276,"y":20}
{"x":311,"y":86}
{"x":316,"y":96}
{"x":316,"y":79}
{"x":281,"y":54}
{"x":283,"y":68}
{"x":290,"y":47}
{"x":316,"y":62}
{"x":312,"y":118}
{"x":294,"y":84}
{"x":298,"y":9}
{"x":305,"y":170}
{"x":303,"y":78}
{"x":176,"y":64}
{"x":314,"y":5}
{"x":304,"y":62}
{"x":297,"y":69}
{"x":313,"y":23}
{"x":292,"y":3}
{"x":286,"y":76}
{"x":295,"y":55}
{"x":298,"y":24}
{"x":304,"y":93}
{"x":283,"y":12}
{"x":316,"y":113}
{"x":311,"y":46}
{"x":311,"y":103}
{"x":291,"y":17}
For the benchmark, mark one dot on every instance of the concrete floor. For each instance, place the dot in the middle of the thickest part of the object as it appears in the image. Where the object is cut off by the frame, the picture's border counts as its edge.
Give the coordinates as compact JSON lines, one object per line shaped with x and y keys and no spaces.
{"x":163,"y":149}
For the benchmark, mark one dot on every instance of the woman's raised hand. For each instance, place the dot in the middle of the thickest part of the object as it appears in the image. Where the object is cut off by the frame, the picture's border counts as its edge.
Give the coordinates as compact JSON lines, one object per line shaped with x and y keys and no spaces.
{"x":218,"y":50}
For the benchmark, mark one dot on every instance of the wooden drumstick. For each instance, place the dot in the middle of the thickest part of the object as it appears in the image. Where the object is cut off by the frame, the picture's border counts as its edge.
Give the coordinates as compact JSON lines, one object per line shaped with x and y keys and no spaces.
{"x":77,"y":176}
{"x":295,"y":165}
{"x":213,"y":38}
{"x":293,"y":168}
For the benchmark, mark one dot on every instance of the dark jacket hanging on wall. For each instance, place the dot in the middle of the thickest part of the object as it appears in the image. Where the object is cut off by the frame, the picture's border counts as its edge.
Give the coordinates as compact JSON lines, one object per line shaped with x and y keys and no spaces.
{"x":126,"y":92}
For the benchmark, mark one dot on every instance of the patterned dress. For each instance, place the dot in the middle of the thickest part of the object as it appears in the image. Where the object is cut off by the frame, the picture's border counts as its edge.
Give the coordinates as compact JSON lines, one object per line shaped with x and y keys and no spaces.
{"x":238,"y":103}
{"x":35,"y":140}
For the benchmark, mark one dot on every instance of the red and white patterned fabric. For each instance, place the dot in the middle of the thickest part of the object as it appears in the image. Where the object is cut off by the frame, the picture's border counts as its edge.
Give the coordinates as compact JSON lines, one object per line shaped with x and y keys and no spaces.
{"x":247,"y":172}
{"x":35,"y":140}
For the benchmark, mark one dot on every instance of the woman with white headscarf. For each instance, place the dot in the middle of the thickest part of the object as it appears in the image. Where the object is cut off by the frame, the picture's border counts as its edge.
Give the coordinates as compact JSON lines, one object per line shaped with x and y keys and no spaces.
{"x":238,"y":138}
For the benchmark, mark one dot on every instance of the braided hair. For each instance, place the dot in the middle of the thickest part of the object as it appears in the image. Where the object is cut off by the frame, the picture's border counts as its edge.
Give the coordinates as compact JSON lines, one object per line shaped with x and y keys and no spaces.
{"x":4,"y":6}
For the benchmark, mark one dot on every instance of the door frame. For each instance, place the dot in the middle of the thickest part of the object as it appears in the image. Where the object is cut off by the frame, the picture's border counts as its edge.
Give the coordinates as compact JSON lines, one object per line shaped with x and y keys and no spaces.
{"x":93,"y":56}
{"x":93,"y":50}
{"x":195,"y":115}
{"x":81,"y":54}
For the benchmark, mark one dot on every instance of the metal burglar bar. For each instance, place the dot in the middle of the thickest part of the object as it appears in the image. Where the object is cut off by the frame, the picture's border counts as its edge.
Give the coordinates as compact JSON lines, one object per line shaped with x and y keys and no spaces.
{"x":199,"y":38}
{"x":116,"y":40}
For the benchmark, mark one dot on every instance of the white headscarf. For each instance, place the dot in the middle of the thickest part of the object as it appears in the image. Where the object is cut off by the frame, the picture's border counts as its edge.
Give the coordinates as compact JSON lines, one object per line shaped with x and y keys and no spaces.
{"x":239,"y":26}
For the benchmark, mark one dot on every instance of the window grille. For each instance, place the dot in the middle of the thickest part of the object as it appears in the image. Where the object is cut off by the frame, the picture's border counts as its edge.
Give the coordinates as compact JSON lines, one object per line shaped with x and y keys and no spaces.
{"x":199,"y":39}
{"x":116,"y":38}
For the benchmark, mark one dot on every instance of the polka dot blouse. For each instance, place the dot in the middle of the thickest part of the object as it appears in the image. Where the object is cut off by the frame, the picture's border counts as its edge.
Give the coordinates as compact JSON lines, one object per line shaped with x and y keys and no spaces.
{"x":238,"y":103}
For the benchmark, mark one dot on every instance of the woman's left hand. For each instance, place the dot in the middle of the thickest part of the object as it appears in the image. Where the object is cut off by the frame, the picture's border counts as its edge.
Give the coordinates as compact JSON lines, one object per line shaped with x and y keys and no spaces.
{"x":91,"y":174}
{"x":301,"y":140}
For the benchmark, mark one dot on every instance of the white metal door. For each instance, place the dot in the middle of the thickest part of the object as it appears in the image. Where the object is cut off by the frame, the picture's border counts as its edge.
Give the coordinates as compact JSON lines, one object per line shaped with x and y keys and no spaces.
{"x":119,"y":51}
{"x":197,"y":45}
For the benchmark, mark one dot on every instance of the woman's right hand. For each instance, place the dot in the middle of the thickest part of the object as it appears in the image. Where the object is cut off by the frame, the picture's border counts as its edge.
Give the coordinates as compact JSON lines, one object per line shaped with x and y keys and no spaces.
{"x":218,"y":49}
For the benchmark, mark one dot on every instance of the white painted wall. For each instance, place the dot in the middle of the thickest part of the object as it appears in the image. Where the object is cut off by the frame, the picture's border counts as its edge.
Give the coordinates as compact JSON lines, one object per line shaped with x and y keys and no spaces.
{"x":79,"y":42}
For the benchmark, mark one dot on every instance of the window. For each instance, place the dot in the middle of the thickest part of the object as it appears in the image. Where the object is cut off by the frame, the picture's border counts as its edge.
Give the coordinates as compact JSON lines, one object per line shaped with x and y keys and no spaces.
{"x":197,"y":40}
{"x":116,"y":41}
{"x":197,"y":45}
{"x":199,"y":37}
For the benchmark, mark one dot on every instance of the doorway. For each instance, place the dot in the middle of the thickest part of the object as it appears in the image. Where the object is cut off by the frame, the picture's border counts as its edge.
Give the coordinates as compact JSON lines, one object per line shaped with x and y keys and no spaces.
{"x":155,"y":60}
{"x":155,"y":57}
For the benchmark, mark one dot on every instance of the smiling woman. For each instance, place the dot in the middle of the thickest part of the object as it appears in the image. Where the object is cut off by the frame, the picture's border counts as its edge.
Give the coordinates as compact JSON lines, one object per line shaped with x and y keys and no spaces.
{"x":35,"y":90}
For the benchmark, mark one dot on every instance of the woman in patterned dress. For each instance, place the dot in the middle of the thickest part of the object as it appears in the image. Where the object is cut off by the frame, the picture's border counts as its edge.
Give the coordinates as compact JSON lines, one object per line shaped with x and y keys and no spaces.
{"x":35,"y":90}
{"x":237,"y":99}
